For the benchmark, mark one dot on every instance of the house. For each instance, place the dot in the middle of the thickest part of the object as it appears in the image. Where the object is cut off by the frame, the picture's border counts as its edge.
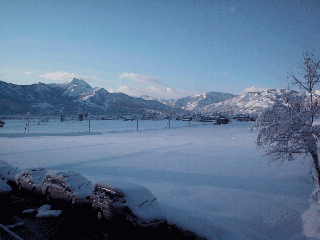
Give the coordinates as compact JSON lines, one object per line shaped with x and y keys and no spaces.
{"x":222,"y":120}
{"x":242,"y":118}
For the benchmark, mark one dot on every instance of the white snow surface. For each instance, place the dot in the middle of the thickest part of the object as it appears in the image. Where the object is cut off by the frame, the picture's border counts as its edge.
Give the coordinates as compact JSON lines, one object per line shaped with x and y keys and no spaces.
{"x":17,"y":224}
{"x":32,"y":210}
{"x":45,"y":211}
{"x":210,"y":179}
{"x":45,"y":207}
{"x":49,"y":213}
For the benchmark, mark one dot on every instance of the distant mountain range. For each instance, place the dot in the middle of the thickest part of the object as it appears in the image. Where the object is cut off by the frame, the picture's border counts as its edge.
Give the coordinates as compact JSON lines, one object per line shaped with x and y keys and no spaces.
{"x":78,"y":96}
{"x":196,"y":102}
{"x":251,"y":103}
{"x":72,"y":97}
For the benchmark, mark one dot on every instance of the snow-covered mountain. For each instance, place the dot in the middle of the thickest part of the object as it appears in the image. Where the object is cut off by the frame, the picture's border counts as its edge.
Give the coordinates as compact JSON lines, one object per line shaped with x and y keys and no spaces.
{"x":75,"y":88}
{"x":251,"y":102}
{"x":48,"y":99}
{"x":195,"y":102}
{"x":169,"y":102}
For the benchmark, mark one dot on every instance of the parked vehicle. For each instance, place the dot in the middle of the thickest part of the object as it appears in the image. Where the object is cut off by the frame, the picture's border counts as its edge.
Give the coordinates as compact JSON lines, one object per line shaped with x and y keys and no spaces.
{"x":69,"y":186}
{"x":121,"y":200}
{"x":31,"y":179}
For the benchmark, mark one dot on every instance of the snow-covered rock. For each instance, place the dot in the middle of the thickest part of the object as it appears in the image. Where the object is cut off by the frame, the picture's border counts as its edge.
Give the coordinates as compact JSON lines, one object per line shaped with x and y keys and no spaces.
{"x":7,"y":172}
{"x":4,"y":187}
{"x":79,"y":189}
{"x":140,"y":200}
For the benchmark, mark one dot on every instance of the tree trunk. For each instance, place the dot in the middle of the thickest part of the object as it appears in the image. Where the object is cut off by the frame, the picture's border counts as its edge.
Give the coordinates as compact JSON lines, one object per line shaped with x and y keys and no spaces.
{"x":315,"y":160}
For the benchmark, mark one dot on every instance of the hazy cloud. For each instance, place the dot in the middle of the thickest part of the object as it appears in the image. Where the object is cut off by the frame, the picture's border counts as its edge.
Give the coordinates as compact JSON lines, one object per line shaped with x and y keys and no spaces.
{"x":130,"y":91}
{"x":254,"y":89}
{"x":223,"y":73}
{"x":160,"y":92}
{"x":141,"y":78}
{"x":155,"y":89}
{"x":28,"y":73}
{"x":168,"y":93}
{"x":58,"y":76}
{"x":64,"y":76}
{"x":232,"y":9}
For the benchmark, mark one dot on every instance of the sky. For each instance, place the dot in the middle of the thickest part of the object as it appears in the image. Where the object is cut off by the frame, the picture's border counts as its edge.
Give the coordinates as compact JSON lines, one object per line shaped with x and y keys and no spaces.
{"x":167,"y":49}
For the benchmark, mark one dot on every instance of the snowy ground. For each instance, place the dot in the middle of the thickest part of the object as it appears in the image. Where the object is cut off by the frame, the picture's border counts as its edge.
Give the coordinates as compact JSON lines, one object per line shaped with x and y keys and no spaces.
{"x":210,"y":179}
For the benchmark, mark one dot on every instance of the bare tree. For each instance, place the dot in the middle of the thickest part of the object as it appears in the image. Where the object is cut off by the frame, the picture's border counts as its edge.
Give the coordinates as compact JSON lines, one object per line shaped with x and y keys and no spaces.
{"x":287,"y":129}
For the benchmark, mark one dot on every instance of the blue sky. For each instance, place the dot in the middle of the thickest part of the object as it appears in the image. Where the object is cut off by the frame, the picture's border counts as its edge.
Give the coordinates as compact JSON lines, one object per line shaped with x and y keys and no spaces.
{"x":164,"y":49}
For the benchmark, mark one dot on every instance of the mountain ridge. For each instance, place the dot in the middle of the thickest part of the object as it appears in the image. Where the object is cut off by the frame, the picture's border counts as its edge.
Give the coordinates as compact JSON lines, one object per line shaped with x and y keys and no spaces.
{"x":71,"y":97}
{"x":77,"y":95}
{"x":251,"y":102}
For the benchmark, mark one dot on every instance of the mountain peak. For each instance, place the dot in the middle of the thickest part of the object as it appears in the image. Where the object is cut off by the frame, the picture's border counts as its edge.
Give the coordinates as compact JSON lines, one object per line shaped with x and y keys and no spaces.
{"x":75,"y":87}
{"x":76,"y":82}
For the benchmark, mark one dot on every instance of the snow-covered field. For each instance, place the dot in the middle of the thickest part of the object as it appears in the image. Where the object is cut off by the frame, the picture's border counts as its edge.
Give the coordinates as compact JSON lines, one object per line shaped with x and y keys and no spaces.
{"x":210,"y":179}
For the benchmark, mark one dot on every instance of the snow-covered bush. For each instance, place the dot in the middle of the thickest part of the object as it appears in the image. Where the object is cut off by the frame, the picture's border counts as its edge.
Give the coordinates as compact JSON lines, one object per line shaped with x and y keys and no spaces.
{"x":311,"y":221}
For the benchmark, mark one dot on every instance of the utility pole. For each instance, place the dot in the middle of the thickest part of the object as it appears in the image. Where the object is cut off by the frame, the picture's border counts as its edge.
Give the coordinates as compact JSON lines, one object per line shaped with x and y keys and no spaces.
{"x":89,"y":122}
{"x":28,"y":122}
